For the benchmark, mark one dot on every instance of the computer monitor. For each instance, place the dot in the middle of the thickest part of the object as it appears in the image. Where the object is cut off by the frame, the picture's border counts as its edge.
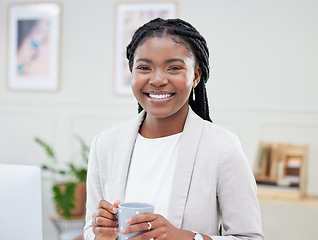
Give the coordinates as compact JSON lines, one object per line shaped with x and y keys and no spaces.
{"x":20,"y":202}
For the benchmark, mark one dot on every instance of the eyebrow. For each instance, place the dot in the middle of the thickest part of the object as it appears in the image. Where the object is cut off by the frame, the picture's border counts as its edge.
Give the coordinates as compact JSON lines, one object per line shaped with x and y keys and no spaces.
{"x":143,"y":60}
{"x":175,"y":60}
{"x":167,"y":61}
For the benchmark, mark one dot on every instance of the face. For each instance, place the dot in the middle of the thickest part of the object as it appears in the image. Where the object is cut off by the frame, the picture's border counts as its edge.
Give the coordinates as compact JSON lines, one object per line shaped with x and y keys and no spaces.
{"x":163,"y":75}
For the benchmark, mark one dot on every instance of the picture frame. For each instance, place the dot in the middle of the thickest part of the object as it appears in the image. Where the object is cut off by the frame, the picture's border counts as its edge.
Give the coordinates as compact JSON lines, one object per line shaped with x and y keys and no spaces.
{"x":33,"y":46}
{"x":130,"y":16}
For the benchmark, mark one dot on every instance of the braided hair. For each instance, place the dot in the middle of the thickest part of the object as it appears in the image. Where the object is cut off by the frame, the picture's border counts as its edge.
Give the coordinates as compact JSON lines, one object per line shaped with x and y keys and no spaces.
{"x":187,"y":33}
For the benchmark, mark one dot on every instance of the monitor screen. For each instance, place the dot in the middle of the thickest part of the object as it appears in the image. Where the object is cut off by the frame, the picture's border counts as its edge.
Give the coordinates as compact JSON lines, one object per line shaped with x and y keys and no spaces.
{"x":20,"y":202}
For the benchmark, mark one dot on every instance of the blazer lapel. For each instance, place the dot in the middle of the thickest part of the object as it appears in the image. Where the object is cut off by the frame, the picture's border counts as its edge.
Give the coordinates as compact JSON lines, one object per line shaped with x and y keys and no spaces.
{"x":187,"y":153}
{"x":121,"y":158}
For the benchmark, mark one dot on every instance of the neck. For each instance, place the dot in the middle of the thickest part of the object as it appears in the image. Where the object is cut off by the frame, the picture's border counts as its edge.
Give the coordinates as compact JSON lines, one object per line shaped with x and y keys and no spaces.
{"x":161,"y":127}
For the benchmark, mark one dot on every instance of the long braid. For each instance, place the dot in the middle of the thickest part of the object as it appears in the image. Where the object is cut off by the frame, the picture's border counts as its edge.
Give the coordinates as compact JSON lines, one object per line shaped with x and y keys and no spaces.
{"x":198,"y":45}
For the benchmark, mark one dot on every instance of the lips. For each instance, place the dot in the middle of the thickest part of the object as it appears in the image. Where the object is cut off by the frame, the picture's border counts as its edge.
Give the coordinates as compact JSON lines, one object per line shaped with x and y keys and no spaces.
{"x":159,"y":97}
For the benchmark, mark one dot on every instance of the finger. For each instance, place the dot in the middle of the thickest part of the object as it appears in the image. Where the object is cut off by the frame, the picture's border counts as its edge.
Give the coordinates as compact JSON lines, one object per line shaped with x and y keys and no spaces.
{"x":116,"y":203}
{"x":135,"y":228}
{"x":105,"y":214}
{"x":107,"y":206}
{"x":104,"y":222}
{"x":143,"y":217}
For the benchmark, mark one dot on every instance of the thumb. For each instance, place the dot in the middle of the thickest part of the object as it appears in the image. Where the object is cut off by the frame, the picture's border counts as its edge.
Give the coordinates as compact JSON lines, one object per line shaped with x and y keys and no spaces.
{"x":116,"y":203}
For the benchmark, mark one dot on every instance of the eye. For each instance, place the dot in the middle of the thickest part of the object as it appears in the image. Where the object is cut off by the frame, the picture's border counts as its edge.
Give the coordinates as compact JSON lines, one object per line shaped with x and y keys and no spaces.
{"x":174,"y":68}
{"x":143,"y":68}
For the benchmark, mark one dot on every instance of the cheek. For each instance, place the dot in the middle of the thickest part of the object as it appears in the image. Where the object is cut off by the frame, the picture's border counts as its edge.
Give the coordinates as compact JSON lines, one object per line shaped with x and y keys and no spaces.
{"x":137,"y":83}
{"x":186,"y":81}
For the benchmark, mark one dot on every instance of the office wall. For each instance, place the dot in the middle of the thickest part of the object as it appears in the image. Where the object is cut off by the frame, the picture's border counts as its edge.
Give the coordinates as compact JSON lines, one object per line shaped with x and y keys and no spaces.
{"x":263,"y":84}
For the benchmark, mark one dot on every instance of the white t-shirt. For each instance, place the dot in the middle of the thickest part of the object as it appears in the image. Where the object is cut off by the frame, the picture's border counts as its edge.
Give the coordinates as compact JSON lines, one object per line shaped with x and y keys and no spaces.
{"x":151,"y":171}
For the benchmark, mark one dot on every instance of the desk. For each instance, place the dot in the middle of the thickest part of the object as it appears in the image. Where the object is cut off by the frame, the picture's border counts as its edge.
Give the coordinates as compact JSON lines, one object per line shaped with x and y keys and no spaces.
{"x":289,"y":219}
{"x":68,"y":229}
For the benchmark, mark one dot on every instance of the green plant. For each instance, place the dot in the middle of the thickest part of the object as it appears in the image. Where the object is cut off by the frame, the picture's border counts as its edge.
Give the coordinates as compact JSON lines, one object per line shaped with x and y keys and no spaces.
{"x":71,"y":174}
{"x":64,"y":200}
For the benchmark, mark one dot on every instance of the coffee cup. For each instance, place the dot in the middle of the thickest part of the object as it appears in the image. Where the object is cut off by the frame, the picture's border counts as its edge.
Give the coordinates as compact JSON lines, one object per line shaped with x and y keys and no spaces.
{"x":128,"y":210}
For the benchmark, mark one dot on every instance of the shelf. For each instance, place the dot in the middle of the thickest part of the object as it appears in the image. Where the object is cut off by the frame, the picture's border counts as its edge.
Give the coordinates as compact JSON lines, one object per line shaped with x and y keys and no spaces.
{"x":307,"y":201}
{"x":281,"y":170}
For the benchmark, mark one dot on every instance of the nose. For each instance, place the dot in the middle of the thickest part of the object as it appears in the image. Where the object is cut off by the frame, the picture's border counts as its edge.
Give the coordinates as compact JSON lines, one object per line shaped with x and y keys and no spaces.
{"x":158,"y":79}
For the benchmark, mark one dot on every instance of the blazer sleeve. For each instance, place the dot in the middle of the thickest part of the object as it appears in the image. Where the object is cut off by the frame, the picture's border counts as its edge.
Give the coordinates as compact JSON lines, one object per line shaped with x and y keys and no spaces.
{"x":94,"y":192}
{"x":237,"y":196}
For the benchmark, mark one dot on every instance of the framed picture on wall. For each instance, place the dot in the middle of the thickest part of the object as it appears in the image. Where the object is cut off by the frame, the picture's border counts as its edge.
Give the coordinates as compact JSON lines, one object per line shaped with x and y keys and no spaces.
{"x":130,"y":16}
{"x":33,"y":46}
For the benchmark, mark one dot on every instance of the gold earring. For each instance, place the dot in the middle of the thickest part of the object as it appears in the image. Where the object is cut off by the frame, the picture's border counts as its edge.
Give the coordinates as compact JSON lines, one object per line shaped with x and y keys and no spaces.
{"x":193,"y":95}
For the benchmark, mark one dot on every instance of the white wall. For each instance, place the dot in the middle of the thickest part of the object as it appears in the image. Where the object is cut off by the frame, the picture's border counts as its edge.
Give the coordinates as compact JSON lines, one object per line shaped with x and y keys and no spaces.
{"x":263,"y":85}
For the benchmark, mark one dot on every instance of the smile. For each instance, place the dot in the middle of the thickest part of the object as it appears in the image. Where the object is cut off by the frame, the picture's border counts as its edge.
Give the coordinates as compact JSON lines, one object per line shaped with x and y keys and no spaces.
{"x":160,"y":96}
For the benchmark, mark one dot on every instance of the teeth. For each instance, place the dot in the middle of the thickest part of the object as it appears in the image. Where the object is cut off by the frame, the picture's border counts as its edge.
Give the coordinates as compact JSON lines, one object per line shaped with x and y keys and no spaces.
{"x":161,"y":96}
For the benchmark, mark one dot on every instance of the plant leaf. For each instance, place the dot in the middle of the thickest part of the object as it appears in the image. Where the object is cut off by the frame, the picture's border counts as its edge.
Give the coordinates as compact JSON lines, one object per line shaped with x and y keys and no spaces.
{"x":64,"y":201}
{"x":48,"y":149}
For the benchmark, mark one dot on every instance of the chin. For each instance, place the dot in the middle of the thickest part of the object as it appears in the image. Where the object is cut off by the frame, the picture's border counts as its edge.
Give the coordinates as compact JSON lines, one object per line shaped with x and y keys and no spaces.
{"x":163,"y":113}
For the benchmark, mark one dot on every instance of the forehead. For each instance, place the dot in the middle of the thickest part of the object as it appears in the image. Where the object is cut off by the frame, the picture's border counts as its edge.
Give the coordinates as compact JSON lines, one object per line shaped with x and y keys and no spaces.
{"x":166,"y":44}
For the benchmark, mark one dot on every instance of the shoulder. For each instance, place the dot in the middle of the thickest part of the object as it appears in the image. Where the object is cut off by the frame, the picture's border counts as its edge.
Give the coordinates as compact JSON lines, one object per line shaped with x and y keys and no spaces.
{"x":114,"y":134}
{"x":222,"y":142}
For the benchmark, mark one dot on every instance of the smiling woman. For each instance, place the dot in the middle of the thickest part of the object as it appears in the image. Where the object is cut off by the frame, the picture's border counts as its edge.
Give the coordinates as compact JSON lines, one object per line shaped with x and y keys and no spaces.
{"x":171,"y":155}
{"x":163,"y":75}
{"x":185,"y":34}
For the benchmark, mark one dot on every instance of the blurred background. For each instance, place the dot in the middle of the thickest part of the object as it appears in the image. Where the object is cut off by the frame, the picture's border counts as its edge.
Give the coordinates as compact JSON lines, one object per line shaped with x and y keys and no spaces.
{"x":263,"y":87}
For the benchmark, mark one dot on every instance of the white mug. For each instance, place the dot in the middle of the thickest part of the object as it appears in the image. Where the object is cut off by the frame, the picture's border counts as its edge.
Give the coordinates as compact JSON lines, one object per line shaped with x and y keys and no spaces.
{"x":128,"y":210}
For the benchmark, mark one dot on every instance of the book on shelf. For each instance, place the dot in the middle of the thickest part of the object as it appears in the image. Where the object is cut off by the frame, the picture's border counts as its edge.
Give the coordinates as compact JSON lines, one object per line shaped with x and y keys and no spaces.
{"x":282,"y":166}
{"x":280,"y":163}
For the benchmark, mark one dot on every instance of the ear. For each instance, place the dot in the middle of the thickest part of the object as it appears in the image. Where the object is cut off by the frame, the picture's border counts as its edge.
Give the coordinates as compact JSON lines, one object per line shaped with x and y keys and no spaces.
{"x":197,"y":76}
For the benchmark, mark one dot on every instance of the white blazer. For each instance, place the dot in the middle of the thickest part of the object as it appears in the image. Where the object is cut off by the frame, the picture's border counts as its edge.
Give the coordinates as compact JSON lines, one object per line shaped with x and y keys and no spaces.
{"x":213,"y":182}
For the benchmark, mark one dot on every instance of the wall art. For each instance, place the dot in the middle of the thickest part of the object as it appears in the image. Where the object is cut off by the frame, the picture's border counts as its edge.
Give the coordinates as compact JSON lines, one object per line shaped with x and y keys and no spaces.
{"x":33,"y":46}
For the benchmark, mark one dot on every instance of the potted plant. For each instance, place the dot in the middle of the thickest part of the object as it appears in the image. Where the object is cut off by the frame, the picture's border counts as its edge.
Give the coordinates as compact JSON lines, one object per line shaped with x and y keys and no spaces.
{"x":69,"y":181}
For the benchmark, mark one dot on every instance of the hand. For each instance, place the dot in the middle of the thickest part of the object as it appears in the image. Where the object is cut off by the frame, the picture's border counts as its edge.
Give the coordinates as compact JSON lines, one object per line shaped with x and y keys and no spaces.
{"x":104,"y":221}
{"x":158,"y":228}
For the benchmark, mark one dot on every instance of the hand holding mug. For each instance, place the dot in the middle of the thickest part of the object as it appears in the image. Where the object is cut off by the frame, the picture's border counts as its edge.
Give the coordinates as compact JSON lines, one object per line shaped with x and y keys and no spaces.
{"x":155,"y":227}
{"x":104,"y":221}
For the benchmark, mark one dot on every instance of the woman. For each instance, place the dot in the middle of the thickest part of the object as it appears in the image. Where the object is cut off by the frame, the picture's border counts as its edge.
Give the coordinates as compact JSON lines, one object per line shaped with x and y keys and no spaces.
{"x":171,"y":155}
